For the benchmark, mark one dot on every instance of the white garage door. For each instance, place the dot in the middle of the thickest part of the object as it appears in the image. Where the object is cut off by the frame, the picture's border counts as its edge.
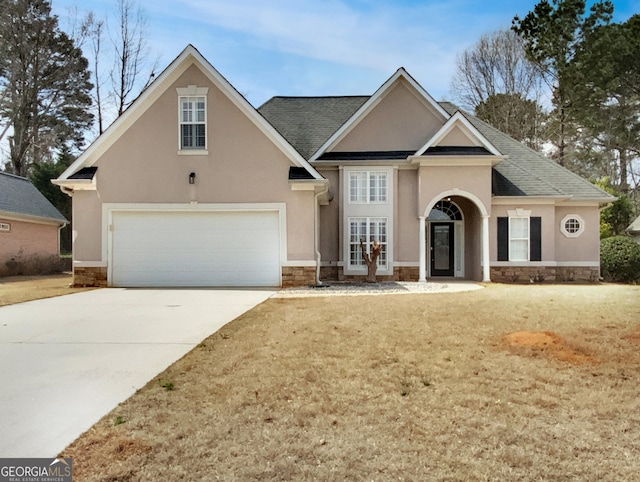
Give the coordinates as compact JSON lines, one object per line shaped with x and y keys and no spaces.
{"x":195,"y":248}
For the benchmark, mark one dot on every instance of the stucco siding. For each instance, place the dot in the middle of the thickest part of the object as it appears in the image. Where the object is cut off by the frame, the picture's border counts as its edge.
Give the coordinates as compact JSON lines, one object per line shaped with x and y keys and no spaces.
{"x":407,"y":223}
{"x":330,"y":220}
{"x":585,"y":247}
{"x":545,"y":211}
{"x":475,"y":180}
{"x":400,"y":121}
{"x":456,"y":138}
{"x":242,"y":166}
{"x":87,"y":227}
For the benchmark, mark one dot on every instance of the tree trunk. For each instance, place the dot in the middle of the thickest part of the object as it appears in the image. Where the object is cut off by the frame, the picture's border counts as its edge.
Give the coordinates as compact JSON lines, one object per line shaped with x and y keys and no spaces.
{"x":371,"y":259}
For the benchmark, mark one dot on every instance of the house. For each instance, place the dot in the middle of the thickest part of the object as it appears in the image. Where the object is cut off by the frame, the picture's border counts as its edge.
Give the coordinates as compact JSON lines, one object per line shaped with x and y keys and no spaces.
{"x":192,"y":186}
{"x":29,"y":228}
{"x":634,"y":229}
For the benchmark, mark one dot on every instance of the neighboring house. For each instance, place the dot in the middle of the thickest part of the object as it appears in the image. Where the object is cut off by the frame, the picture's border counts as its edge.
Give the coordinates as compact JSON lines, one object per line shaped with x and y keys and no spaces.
{"x":634,"y":229}
{"x":192,"y":186}
{"x":29,"y":228}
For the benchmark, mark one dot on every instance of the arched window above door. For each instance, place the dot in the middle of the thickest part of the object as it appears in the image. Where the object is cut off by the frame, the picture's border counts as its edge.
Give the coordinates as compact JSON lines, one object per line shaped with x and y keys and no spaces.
{"x":445,"y":210}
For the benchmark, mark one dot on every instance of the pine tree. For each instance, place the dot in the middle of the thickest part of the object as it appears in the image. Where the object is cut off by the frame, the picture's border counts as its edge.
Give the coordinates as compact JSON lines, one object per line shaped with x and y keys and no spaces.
{"x":44,"y":84}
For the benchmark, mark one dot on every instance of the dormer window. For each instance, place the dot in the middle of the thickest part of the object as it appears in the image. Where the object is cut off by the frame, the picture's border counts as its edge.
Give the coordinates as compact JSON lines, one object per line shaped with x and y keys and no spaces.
{"x":192,"y":102}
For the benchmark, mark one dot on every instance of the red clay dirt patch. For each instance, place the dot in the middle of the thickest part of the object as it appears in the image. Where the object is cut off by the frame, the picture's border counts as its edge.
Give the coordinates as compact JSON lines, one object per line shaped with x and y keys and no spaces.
{"x":634,"y":336}
{"x":544,"y":343}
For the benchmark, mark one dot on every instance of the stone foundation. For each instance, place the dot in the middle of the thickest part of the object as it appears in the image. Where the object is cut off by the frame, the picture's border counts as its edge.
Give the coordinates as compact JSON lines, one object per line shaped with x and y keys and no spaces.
{"x":401,"y":273}
{"x":298,"y":276}
{"x":85,"y":276}
{"x":540,"y":274}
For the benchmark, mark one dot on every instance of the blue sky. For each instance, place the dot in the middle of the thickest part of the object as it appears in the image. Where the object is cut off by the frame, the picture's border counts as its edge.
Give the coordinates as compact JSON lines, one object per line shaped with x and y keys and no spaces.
{"x":322,"y":47}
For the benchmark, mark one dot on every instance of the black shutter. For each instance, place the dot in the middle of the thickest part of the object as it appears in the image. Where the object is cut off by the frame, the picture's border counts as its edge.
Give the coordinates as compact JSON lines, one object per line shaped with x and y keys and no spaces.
{"x":535,"y":240}
{"x":503,"y":239}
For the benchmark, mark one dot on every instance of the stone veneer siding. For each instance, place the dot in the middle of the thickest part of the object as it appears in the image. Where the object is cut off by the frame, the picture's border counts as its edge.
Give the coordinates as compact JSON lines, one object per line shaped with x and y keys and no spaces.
{"x":85,"y":276}
{"x":402,"y":273}
{"x":298,"y":276}
{"x":538,"y":274}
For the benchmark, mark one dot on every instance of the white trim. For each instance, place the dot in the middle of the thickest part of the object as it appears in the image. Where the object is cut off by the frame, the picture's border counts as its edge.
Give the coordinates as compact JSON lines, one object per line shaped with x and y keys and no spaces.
{"x":189,"y":56}
{"x":456,"y":192}
{"x":109,"y":208}
{"x":89,"y":264}
{"x":193,"y":92}
{"x":563,"y":228}
{"x":519,"y":213}
{"x":458,"y":246}
{"x":548,"y":264}
{"x":300,"y":263}
{"x":468,"y":130}
{"x":350,"y":269}
{"x":76,"y":184}
{"x":193,"y":152}
{"x":374,"y":100}
{"x":5,"y":227}
{"x":460,"y":161}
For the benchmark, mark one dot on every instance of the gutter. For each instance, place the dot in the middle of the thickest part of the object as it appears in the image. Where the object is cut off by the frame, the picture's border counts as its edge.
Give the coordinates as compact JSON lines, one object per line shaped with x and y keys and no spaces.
{"x":320,"y":193}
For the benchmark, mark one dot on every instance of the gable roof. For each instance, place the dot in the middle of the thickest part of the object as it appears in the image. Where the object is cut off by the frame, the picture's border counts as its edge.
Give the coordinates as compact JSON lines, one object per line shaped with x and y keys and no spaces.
{"x":189,"y":56}
{"x":458,"y":120}
{"x":526,"y":172}
{"x":372,"y":102}
{"x":307,"y":122}
{"x":18,"y":196}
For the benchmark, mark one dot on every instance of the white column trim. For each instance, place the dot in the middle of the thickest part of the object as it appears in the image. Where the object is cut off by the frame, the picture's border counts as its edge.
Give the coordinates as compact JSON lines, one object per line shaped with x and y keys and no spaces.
{"x":423,"y":250}
{"x":486,"y":266}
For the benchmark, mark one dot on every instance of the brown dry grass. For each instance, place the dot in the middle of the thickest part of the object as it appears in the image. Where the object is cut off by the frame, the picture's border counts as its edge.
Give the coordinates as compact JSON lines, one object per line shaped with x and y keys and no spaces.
{"x":410,"y":387}
{"x":18,"y":289}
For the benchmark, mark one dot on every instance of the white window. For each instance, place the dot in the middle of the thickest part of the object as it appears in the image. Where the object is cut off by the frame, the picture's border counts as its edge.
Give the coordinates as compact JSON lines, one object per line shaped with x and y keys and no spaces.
{"x":367,"y":230}
{"x":193,"y":123}
{"x":572,"y":226}
{"x":5,"y":227}
{"x":192,"y":119}
{"x":368,"y":187}
{"x":519,"y":239}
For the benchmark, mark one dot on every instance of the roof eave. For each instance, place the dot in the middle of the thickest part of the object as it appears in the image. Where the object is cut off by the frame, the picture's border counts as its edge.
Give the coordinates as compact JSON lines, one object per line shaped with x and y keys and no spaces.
{"x":10,"y":215}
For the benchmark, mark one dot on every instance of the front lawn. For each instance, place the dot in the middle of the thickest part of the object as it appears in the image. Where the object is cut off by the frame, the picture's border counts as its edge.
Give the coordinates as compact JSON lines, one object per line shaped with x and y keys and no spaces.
{"x":513,"y":382}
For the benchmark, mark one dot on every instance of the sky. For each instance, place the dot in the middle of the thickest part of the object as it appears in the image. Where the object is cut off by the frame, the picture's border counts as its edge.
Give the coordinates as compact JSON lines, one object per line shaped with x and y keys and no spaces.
{"x":321,"y":47}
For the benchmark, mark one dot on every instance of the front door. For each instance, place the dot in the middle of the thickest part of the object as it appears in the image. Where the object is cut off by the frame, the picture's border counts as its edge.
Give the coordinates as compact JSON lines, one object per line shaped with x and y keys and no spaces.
{"x":442,"y":249}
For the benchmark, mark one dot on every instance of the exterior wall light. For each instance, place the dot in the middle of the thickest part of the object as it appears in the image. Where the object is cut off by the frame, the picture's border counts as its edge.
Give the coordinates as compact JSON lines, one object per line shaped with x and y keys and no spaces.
{"x":192,"y":178}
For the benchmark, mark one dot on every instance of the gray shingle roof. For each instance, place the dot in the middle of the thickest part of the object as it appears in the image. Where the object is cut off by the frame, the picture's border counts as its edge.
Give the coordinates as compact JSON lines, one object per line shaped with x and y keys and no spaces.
{"x":19,"y":196}
{"x":307,"y":122}
{"x":634,"y":227}
{"x":527,"y":172}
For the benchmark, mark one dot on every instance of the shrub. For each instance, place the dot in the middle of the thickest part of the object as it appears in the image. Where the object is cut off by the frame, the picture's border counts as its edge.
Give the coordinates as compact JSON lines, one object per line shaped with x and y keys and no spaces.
{"x":620,"y":259}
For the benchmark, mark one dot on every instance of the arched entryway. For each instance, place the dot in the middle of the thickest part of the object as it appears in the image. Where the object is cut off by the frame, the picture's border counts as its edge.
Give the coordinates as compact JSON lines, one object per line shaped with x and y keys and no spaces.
{"x":445,"y":239}
{"x":454,"y":237}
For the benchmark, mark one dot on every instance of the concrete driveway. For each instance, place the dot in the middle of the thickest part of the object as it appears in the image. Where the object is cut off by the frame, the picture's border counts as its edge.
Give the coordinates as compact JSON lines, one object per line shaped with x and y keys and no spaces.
{"x":65,"y":362}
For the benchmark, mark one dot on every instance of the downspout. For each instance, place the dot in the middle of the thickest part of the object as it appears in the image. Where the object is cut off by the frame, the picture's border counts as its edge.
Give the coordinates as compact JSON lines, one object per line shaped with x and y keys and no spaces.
{"x":317,"y":232}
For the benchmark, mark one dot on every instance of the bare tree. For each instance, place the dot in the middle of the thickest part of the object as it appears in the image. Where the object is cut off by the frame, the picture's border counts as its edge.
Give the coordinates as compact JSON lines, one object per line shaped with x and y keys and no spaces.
{"x":96,"y":31}
{"x":496,"y":64}
{"x":371,"y":259}
{"x":132,"y":54}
